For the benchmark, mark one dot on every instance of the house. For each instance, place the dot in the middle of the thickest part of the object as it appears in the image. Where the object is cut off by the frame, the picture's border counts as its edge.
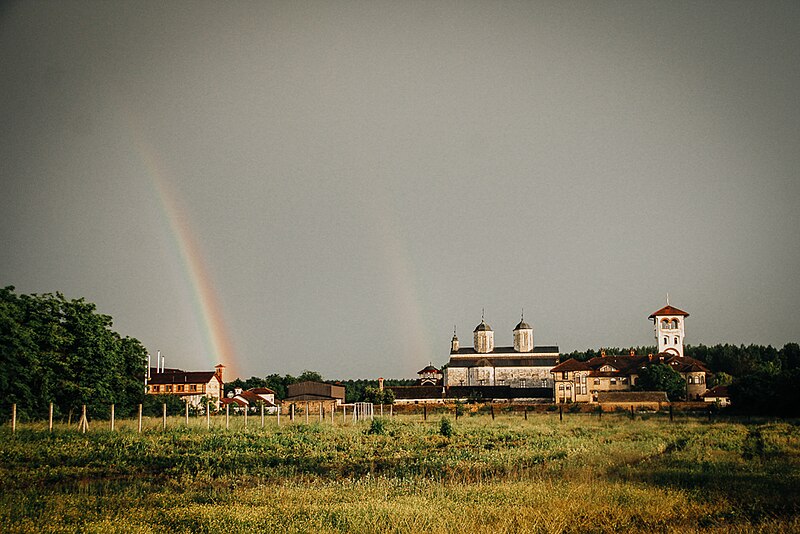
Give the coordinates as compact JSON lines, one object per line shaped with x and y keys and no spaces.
{"x":314,"y":391}
{"x":575,"y":381}
{"x":252,"y":399}
{"x":191,"y":386}
{"x":429,"y":376}
{"x":522,"y":365}
{"x":718,"y":395}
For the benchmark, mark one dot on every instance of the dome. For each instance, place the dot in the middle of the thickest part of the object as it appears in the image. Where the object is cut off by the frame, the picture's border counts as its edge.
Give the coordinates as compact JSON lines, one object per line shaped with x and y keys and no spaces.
{"x":522,"y":326}
{"x":483,"y":327}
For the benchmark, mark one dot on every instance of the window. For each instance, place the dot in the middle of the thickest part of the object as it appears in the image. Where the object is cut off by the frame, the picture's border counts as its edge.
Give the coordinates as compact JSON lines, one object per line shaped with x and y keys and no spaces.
{"x":565,"y":375}
{"x":501,"y":382}
{"x":674,"y":323}
{"x":702,"y":379}
{"x":624,"y":380}
{"x":561,"y":387}
{"x":179,"y":388}
{"x":460,"y":382}
{"x":690,"y":379}
{"x":522,"y":383}
{"x":155,"y":389}
{"x":676,"y":340}
{"x":168,"y":389}
{"x":583,"y":389}
{"x":193,"y":387}
{"x":666,"y":341}
{"x":664,"y":323}
{"x":613,"y":381}
{"x":583,"y":379}
{"x":481,"y":382}
{"x":544,"y":382}
{"x":596,"y":381}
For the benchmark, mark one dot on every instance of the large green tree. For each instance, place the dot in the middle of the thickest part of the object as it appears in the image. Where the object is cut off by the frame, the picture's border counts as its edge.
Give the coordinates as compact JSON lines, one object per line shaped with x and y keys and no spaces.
{"x":662,"y":377}
{"x":62,"y":351}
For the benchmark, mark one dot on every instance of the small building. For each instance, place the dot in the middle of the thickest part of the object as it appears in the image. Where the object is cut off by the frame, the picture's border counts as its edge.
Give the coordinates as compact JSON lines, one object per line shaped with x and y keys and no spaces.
{"x":191,"y":386}
{"x":314,"y":391}
{"x":718,"y":395}
{"x":429,"y":376}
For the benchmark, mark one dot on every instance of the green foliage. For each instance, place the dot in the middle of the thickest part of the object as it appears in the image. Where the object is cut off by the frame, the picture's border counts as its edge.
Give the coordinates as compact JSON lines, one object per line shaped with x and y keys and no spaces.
{"x":63,"y":351}
{"x":662,"y":377}
{"x":377,"y":426}
{"x":767,"y":393}
{"x":377,"y":396}
{"x":446,"y":427}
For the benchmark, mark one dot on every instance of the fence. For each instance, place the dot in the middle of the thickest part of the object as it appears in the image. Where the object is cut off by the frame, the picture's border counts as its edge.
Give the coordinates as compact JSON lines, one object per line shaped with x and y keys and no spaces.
{"x":366,"y":411}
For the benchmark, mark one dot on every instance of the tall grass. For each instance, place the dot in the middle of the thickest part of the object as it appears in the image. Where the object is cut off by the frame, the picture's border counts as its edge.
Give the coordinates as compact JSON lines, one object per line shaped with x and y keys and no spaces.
{"x":506,"y":475}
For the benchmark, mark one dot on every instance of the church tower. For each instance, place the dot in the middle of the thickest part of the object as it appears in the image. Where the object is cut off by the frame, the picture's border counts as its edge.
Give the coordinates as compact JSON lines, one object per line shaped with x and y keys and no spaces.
{"x":454,"y":342}
{"x":523,"y":336}
{"x":483,"y":337}
{"x":668,"y":323}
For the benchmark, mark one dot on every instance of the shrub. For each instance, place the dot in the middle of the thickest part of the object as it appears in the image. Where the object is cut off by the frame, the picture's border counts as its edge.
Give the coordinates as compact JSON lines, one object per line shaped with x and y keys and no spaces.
{"x":377,"y":426}
{"x":446,"y":427}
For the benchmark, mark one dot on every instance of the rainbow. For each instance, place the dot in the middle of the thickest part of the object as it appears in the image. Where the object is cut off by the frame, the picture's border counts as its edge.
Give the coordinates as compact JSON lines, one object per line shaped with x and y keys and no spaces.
{"x":206,"y":304}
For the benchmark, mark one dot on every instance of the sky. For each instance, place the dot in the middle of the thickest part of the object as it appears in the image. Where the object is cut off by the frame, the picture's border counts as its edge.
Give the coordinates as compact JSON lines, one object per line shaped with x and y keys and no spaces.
{"x":333,"y":186}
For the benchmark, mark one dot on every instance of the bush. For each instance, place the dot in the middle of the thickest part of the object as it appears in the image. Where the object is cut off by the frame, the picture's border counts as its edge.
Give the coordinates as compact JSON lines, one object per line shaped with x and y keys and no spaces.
{"x":377,"y":426}
{"x":446,"y":427}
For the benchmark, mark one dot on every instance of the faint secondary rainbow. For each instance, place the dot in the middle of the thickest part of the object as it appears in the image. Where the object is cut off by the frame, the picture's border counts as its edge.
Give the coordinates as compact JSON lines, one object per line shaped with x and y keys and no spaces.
{"x":206,"y":304}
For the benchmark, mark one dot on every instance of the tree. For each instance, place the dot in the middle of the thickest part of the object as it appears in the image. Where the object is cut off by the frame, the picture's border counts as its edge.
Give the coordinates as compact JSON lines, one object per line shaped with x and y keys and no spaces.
{"x":662,"y":377}
{"x":62,"y":351}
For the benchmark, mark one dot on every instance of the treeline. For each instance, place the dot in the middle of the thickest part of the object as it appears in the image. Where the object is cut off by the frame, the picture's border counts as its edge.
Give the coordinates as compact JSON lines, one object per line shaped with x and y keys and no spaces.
{"x":355,"y":390}
{"x":62,"y":351}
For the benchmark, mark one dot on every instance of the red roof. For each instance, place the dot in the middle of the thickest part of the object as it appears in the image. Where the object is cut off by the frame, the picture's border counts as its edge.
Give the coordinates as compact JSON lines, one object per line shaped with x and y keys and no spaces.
{"x":261,"y":391}
{"x":668,"y":310}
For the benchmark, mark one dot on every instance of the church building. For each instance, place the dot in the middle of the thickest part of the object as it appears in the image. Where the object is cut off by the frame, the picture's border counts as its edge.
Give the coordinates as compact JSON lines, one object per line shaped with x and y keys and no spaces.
{"x":522,"y":365}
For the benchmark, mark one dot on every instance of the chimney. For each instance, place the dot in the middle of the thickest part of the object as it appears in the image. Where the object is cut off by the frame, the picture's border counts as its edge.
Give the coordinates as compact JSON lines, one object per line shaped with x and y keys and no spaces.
{"x":218,"y":372}
{"x":633,"y":353}
{"x":380,"y":384}
{"x":602,"y":353}
{"x":158,"y":363}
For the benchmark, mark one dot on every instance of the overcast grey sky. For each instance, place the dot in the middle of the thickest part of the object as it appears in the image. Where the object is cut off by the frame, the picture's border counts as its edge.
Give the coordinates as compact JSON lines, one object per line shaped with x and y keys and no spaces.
{"x":336,"y":184}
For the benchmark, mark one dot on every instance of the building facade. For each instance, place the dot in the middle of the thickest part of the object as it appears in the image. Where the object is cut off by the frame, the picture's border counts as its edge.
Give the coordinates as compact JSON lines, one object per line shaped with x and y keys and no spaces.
{"x":191,"y":386}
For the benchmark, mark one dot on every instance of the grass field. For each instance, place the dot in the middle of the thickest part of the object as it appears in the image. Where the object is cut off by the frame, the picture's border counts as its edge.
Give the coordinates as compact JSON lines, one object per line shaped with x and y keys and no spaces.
{"x":502,"y":475}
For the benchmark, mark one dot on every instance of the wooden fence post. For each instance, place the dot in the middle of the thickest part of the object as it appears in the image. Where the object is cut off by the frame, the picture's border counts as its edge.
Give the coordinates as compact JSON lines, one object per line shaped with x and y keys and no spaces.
{"x":50,"y":423}
{"x":632,"y":416}
{"x":600,"y":412}
{"x":227,"y":416}
{"x":526,"y":413}
{"x":344,"y":414}
{"x":246,"y":409}
{"x":456,"y":410}
{"x":381,"y":409}
{"x":291,"y":412}
{"x":262,"y":415}
{"x":560,"y":412}
{"x":320,"y":411}
{"x":164,"y":416}
{"x":14,"y":418}
{"x":307,"y":407}
{"x":492,"y":407}
{"x":187,"y":412}
{"x":670,"y":413}
{"x":279,"y":415}
{"x":140,"y":419}
{"x":424,"y":412}
{"x":112,"y":417}
{"x":391,"y":411}
{"x":208,"y":415}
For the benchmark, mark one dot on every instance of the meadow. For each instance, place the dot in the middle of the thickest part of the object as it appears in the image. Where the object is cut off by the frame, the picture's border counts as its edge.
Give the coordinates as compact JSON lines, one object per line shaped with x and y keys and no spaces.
{"x":507,"y":474}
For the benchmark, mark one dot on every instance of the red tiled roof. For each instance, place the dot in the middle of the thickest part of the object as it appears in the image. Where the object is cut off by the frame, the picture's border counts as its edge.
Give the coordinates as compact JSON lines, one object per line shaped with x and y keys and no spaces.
{"x":182,"y":377}
{"x":668,"y":310}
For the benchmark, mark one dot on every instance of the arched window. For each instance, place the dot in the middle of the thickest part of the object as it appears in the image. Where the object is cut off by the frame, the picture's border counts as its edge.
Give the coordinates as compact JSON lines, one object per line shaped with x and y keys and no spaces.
{"x":664,"y":323}
{"x":666,"y":341}
{"x":676,"y":340}
{"x":674,"y":323}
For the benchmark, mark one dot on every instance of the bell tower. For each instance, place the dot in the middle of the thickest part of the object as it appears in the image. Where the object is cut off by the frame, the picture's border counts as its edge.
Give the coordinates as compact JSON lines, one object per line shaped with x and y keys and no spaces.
{"x":668,"y":324}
